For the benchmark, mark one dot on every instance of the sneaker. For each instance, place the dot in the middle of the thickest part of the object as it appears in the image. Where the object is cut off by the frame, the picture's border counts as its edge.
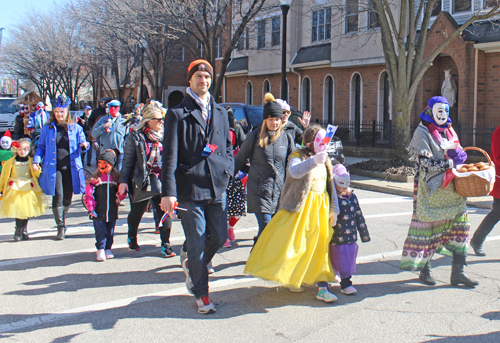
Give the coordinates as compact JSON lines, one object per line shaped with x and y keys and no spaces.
{"x":166,"y":250}
{"x":189,"y":282}
{"x":205,"y":305}
{"x":227,"y":244}
{"x":109,"y":254}
{"x":230,"y":235}
{"x":296,"y":290}
{"x":132,"y":244}
{"x":210,"y":268}
{"x":325,"y":295}
{"x":101,"y":255}
{"x":157,"y":230}
{"x":349,"y":290}
{"x":184,"y":255}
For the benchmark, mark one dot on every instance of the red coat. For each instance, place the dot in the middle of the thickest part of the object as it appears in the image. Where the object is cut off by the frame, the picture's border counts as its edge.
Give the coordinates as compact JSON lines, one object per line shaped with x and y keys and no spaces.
{"x":495,"y":157}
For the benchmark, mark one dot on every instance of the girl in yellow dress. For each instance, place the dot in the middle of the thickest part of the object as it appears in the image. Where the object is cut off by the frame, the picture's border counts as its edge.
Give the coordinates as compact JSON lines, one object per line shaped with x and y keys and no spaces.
{"x":293,"y":249}
{"x":21,"y":196}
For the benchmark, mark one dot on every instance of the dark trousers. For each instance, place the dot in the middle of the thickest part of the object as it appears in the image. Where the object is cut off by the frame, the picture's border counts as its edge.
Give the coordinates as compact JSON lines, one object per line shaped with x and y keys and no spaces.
{"x":202,"y":219}
{"x":64,"y":189}
{"x":21,"y":223}
{"x":487,"y":224}
{"x":137,"y":210}
{"x":104,"y":234}
{"x":88,"y":153}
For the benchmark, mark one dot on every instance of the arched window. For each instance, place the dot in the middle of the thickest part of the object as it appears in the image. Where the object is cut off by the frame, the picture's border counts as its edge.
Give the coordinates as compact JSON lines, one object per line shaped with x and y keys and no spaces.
{"x":355,"y":112}
{"x":328,"y":100}
{"x":266,"y":88}
{"x":249,"y":94}
{"x":306,"y":94}
{"x":384,"y":102}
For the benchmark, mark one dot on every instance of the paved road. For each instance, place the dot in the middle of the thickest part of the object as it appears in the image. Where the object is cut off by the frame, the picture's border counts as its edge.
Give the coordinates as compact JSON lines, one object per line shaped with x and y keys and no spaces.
{"x":55,"y":291}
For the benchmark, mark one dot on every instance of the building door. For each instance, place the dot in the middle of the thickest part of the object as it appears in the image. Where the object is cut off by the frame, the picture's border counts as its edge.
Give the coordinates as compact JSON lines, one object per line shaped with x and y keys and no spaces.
{"x":329,"y":100}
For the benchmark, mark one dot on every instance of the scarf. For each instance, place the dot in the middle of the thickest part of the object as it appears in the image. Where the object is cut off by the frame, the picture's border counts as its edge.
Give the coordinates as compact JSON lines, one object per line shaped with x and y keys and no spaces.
{"x":452,"y":136}
{"x":155,"y":137}
{"x":206,"y":109}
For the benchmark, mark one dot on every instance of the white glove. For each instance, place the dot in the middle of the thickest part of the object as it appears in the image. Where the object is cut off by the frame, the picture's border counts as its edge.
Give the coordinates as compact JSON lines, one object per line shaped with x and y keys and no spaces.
{"x":448,"y":145}
{"x":320,"y":157}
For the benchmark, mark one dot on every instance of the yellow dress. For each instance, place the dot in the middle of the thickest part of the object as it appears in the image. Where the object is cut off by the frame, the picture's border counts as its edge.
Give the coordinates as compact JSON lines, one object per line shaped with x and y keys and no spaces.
{"x":293,"y":248}
{"x":23,"y":198}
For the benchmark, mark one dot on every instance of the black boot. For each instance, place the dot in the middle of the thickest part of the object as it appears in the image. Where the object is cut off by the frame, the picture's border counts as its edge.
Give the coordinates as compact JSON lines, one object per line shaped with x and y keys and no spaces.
{"x":59,"y":219}
{"x":426,"y":275}
{"x":478,"y":248}
{"x":18,"y":233}
{"x":65,"y":214}
{"x":458,"y":276}
{"x":24,"y":234}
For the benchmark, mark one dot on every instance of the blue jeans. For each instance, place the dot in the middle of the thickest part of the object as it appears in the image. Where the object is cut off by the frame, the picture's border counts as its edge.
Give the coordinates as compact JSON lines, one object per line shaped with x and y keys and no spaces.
{"x":104,"y":234}
{"x":263,"y":219}
{"x":89,"y":156}
{"x":202,"y":218}
{"x":119,"y":161}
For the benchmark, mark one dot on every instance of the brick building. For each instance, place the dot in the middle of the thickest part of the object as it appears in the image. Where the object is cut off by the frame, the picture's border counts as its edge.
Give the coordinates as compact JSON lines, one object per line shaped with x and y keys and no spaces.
{"x":337,"y":72}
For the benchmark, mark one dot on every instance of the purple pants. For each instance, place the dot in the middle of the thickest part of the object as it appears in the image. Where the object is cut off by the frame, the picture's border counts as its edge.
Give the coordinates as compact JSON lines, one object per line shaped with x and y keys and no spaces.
{"x":343,"y":258}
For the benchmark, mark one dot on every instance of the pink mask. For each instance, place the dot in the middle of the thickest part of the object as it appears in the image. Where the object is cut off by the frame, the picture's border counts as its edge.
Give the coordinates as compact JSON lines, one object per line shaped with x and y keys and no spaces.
{"x":113,"y":111}
{"x":318,"y":141}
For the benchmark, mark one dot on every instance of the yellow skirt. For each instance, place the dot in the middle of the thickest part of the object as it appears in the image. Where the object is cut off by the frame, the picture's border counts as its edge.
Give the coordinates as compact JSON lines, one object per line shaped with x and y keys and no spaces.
{"x":23,"y":204}
{"x":293,"y":248}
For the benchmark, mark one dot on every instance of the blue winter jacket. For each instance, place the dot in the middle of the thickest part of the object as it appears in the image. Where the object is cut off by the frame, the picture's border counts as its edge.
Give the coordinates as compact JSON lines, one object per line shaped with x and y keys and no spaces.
{"x":115,"y":139}
{"x":46,"y":156}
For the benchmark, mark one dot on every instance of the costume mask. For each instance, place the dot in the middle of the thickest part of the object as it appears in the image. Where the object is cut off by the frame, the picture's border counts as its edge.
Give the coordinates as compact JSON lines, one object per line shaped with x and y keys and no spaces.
{"x":318,"y":141}
{"x":104,"y":167}
{"x":40,"y":106}
{"x":440,"y":113}
{"x":5,"y":142}
{"x":113,"y":111}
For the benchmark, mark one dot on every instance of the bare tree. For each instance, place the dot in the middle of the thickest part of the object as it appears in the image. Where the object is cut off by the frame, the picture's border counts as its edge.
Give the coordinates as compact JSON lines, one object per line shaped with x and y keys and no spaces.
{"x":47,"y":52}
{"x":407,"y":56}
{"x":212,"y":28}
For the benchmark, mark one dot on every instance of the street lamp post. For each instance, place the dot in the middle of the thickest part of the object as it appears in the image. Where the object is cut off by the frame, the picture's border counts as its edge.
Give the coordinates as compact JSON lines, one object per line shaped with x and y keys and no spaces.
{"x":285,"y":6}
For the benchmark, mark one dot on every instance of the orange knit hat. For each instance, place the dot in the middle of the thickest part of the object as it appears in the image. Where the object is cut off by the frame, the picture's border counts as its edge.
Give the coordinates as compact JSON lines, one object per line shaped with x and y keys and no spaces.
{"x":199,"y":65}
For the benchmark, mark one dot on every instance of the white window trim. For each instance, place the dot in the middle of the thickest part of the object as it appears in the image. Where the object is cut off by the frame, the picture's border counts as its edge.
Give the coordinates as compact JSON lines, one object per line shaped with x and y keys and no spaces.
{"x":321,"y":41}
{"x":345,"y":20}
{"x":352,"y":99}
{"x":325,"y":99}
{"x":303,"y":95}
{"x":246,"y":93}
{"x":459,"y":13}
{"x":380,"y":97}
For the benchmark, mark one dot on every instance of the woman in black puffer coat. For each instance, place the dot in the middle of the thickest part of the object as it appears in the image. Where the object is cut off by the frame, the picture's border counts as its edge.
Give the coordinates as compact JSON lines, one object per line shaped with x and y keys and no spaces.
{"x":268,"y":151}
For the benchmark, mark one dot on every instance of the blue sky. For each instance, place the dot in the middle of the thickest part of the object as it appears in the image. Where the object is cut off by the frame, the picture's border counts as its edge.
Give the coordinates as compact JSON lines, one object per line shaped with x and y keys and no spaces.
{"x":11,"y":10}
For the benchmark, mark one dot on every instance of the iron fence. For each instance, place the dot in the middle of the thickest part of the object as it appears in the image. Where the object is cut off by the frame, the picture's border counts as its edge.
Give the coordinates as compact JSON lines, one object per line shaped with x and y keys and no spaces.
{"x":372,"y":133}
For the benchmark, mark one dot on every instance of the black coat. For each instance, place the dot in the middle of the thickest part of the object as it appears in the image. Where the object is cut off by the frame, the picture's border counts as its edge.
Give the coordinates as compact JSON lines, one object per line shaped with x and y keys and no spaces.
{"x":134,"y":160}
{"x":267,"y":171}
{"x":294,"y":131}
{"x":186,"y":174}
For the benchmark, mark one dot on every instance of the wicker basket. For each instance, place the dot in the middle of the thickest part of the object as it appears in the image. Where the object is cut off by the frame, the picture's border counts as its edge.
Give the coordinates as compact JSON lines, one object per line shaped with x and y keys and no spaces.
{"x":473,"y":185}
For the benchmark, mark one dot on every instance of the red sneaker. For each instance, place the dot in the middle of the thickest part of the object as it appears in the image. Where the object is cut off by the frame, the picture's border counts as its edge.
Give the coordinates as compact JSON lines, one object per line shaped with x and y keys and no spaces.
{"x":205,"y":305}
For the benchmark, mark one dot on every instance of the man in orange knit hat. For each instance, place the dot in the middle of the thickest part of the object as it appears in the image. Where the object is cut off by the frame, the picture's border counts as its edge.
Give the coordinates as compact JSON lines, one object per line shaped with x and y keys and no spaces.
{"x":197,"y":164}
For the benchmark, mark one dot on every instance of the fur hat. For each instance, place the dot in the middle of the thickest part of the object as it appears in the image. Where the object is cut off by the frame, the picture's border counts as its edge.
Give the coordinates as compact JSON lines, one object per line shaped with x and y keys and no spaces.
{"x":283,"y":104}
{"x":199,"y":65}
{"x":271,"y":108}
{"x":108,"y":156}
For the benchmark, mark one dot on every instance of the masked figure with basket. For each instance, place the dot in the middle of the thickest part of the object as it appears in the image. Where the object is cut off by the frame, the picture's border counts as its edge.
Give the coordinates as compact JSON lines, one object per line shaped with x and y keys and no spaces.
{"x":440,"y":218}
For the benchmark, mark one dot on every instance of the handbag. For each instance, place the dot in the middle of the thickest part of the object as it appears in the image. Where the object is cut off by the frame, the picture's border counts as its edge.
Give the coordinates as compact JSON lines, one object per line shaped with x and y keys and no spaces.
{"x":150,"y":190}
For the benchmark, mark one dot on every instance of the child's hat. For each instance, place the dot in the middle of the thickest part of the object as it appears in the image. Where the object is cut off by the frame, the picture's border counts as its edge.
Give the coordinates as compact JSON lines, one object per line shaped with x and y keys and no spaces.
{"x":108,"y":156}
{"x":341,"y":175}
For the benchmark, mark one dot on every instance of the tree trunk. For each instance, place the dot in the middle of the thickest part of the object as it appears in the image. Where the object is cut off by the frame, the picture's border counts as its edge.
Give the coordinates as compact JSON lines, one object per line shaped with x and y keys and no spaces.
{"x":402,"y":127}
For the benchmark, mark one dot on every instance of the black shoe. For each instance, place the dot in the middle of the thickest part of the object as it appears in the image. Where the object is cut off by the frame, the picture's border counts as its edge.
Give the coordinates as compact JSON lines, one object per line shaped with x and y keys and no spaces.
{"x":61,"y":233}
{"x":426,"y":277}
{"x":17,"y":234}
{"x":89,"y":165}
{"x":132,"y":244}
{"x":458,"y":276}
{"x":24,"y":234}
{"x":478,"y":249}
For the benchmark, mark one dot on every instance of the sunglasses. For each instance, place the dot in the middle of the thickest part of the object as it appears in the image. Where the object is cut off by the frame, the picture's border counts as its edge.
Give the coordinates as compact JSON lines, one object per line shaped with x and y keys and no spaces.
{"x":114,"y":106}
{"x":160,"y":120}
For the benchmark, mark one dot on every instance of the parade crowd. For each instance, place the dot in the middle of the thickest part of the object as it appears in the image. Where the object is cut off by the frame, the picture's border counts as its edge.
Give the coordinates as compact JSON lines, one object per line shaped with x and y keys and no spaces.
{"x":195,"y":162}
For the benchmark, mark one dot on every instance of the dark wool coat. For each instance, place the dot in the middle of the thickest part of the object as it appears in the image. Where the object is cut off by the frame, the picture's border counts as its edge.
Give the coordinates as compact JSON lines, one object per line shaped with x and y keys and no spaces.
{"x":349,"y":222}
{"x":135,"y":160}
{"x":267,"y":171}
{"x":294,"y":131}
{"x":186,"y":173}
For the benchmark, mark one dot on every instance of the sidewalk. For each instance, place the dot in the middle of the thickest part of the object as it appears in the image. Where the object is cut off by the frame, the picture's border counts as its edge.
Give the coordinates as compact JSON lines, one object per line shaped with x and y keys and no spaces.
{"x":402,"y":188}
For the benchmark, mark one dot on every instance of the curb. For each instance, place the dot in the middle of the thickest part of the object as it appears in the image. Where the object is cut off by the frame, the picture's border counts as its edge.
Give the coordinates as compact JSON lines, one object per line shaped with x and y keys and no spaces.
{"x":486,"y":204}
